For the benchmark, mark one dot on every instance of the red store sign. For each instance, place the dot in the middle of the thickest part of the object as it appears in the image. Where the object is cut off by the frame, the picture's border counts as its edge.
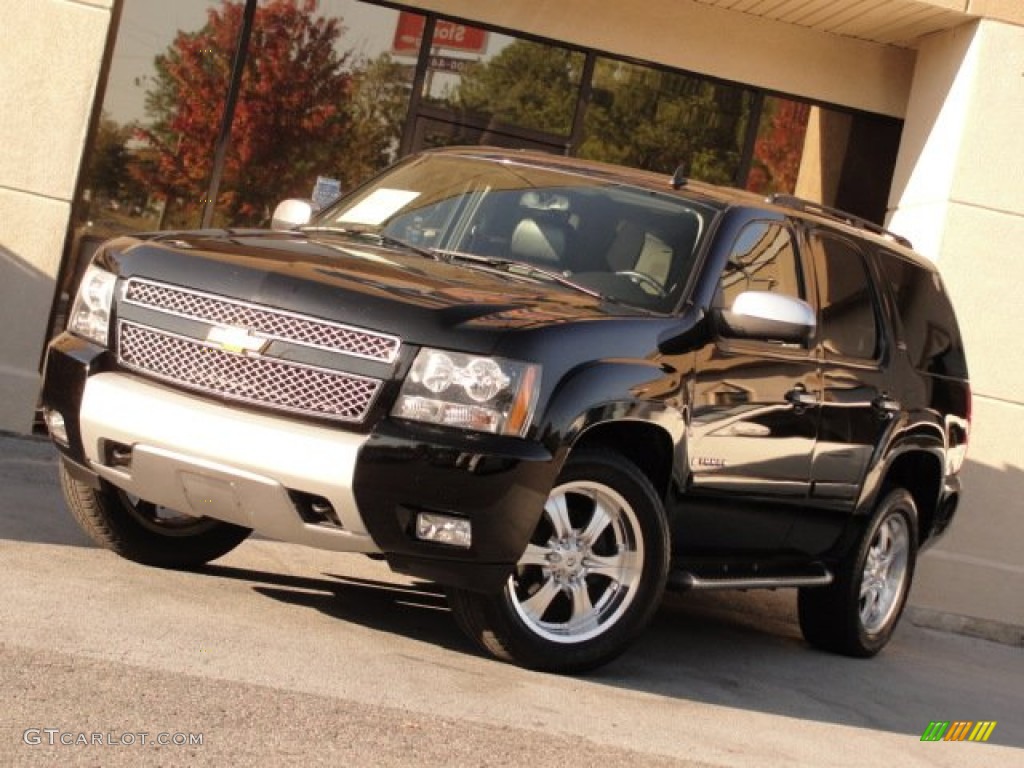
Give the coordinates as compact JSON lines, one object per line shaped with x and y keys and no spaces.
{"x":447,"y":34}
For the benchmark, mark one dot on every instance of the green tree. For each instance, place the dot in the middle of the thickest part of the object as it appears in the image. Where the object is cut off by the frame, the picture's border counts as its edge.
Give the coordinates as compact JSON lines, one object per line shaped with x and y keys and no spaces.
{"x":637,"y":116}
{"x":380,"y":102}
{"x":527,"y":84}
{"x":657,"y":120}
{"x":106,"y":168}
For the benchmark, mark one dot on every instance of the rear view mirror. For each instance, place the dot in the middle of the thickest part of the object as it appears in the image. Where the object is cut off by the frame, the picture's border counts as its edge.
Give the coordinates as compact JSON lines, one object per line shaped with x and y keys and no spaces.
{"x":293,"y":213}
{"x":767,"y":317}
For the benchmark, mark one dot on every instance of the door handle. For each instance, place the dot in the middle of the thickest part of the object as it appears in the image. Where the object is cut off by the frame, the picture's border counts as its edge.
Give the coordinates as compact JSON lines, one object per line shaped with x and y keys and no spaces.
{"x":799,"y":396}
{"x":885,"y":406}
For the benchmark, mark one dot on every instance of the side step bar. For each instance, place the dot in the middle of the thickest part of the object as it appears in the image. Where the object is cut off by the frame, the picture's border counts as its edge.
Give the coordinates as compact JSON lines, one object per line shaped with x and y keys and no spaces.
{"x":687,"y":580}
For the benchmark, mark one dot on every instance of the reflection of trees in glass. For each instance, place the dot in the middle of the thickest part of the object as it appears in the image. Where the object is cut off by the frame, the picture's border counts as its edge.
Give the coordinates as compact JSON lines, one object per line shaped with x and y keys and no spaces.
{"x":779,"y":147}
{"x":106,"y":168}
{"x":380,"y":100}
{"x":659,"y":120}
{"x":289,"y":123}
{"x":637,"y":116}
{"x":112,"y":193}
{"x":529,"y":85}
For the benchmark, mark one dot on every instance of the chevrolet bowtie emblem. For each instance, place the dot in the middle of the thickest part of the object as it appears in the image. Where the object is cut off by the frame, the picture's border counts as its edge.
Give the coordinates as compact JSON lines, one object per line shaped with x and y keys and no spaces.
{"x":240,"y":341}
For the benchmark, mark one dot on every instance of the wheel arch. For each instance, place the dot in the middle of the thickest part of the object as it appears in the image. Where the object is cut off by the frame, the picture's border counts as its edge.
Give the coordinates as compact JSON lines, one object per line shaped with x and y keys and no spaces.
{"x":920,"y":473}
{"x":643,"y":443}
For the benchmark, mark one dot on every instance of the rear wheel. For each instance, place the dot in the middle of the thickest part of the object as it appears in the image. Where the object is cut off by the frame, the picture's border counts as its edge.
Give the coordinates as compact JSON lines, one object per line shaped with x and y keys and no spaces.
{"x":857,"y":614}
{"x":144,"y":532}
{"x":590,"y":579}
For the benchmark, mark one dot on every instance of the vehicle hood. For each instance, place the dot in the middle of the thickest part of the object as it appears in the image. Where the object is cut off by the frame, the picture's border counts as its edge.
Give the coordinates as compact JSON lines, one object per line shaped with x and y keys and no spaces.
{"x":360,"y":283}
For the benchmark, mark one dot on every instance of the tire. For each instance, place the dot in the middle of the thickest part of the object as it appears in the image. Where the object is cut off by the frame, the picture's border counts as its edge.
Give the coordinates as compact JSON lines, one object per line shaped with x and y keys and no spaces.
{"x":857,"y":614}
{"x":145,"y":533}
{"x":590,"y":579}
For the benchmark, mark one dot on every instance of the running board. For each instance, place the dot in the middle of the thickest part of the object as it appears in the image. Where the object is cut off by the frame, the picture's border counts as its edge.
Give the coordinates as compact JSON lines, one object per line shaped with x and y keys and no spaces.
{"x":687,"y":580}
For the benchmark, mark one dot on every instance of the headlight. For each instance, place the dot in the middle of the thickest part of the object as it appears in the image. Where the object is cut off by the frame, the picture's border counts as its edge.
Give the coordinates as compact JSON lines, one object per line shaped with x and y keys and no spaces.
{"x":90,"y":314}
{"x":486,"y":394}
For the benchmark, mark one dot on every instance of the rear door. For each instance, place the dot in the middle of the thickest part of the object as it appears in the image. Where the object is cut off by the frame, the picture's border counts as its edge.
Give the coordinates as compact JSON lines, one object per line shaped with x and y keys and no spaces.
{"x":857,"y":408}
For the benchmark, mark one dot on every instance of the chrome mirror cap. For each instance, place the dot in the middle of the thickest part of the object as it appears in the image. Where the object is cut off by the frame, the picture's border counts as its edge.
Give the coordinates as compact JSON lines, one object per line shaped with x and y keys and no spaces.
{"x":293,"y":213}
{"x":769,"y":317}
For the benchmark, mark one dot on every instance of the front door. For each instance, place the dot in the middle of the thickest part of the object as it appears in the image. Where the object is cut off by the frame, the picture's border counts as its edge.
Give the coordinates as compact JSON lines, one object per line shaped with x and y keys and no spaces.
{"x":755,"y":412}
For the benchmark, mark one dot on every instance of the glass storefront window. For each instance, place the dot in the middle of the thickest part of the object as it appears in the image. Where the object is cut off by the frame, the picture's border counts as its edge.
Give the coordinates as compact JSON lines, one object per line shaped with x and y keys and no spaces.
{"x":517,"y":83}
{"x":779,"y":147}
{"x":334,"y":90}
{"x":321,"y":97}
{"x":486,"y":87}
{"x":141,"y":151}
{"x":658,"y":120}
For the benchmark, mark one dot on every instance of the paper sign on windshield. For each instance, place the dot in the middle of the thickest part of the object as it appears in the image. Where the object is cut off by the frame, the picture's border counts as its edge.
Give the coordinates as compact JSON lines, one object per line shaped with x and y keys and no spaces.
{"x":377,"y":207}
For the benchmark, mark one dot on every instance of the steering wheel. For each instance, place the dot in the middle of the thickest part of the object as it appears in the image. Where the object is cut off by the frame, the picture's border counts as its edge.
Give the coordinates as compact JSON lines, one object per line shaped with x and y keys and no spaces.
{"x":642,"y":278}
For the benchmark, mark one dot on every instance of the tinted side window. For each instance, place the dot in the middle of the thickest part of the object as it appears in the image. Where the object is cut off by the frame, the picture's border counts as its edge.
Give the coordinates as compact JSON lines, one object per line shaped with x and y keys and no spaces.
{"x":928,"y":325}
{"x":763,"y":258}
{"x":848,"y":317}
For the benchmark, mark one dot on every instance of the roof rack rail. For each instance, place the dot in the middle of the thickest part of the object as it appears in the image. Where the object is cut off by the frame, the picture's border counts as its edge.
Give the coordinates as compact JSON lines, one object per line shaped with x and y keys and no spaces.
{"x":809,"y":206}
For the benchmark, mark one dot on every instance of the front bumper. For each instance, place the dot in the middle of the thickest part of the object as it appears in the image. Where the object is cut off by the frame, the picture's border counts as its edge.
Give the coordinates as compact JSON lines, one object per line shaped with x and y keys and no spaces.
{"x":253,"y":469}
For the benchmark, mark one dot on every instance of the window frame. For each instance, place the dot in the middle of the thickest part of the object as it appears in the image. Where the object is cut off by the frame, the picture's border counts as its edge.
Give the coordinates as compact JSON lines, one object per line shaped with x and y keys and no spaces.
{"x":805,"y":279}
{"x":813,"y":232}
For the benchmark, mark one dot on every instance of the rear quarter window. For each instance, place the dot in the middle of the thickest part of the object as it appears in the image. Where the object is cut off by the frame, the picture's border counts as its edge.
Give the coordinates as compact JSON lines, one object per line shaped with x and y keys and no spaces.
{"x":928,"y":324}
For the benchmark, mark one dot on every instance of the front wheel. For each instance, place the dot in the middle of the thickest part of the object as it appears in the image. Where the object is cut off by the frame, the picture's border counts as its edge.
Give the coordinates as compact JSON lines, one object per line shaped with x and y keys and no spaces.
{"x":144,"y":532}
{"x":857,"y":614}
{"x":590,"y":579}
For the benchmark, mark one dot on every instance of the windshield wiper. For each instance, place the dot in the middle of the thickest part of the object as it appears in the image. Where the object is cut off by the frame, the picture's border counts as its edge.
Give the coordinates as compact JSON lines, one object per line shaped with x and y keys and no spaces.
{"x":513,"y":266}
{"x":379,"y":237}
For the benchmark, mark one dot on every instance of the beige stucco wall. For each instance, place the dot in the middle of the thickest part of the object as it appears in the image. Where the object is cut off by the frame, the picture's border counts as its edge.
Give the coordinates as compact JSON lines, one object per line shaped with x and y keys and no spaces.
{"x":49,"y":66}
{"x":958,"y":195}
{"x":709,"y":40}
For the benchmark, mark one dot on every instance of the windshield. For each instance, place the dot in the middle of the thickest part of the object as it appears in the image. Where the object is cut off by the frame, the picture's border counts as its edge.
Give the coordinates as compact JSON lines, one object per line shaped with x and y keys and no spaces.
{"x":628,"y":244}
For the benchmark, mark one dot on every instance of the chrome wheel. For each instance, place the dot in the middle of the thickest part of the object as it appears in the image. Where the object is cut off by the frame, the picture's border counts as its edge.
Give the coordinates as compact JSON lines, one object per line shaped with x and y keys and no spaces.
{"x":589,"y":579}
{"x":885,"y":573}
{"x":580,"y":572}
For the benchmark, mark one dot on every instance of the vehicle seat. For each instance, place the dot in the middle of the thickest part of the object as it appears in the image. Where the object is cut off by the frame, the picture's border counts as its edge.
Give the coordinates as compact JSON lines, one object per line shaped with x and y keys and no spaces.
{"x":540,"y":240}
{"x":624,"y":252}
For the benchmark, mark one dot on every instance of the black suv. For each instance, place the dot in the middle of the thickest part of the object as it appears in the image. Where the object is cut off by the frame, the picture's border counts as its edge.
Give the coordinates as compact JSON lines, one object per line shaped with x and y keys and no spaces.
{"x":555,"y":387}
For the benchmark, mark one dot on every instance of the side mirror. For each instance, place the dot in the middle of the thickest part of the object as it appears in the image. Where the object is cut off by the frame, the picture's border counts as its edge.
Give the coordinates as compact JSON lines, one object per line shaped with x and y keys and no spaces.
{"x":293,"y":213}
{"x":767,"y":317}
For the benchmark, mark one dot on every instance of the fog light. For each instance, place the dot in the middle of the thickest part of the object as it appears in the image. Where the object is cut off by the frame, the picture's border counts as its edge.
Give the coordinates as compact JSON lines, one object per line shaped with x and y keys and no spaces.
{"x":444,"y":529}
{"x":55,"y":424}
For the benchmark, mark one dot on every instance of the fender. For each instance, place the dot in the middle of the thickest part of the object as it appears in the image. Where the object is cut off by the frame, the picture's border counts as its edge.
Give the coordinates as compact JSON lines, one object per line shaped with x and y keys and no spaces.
{"x":918,"y":436}
{"x":614,"y":391}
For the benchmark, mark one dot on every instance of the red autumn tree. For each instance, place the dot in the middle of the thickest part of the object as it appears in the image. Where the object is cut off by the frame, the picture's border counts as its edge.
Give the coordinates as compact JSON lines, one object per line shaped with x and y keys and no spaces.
{"x":778,"y":150}
{"x":290,"y":121}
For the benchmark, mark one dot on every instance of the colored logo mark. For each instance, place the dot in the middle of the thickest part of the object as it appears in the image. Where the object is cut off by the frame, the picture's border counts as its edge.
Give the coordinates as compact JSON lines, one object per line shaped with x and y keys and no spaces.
{"x":958,"y":730}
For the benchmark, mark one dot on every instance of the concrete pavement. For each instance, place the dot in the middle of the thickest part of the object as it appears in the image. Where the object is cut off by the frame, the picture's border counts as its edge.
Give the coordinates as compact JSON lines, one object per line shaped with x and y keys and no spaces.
{"x":278,"y":655}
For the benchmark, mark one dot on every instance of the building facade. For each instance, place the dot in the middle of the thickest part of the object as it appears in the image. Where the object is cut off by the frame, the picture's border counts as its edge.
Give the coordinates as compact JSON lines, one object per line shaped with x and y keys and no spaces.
{"x":140,"y":114}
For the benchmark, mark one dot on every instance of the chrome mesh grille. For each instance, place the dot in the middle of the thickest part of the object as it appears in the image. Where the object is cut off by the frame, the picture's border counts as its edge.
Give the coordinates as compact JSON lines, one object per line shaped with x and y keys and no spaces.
{"x":258,"y":380}
{"x":269,"y":323}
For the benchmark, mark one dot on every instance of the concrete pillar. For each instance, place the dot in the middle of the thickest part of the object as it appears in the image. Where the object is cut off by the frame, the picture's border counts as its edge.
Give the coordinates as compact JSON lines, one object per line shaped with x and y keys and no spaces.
{"x":821,"y":166}
{"x":49,"y":67}
{"x":958,"y":195}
